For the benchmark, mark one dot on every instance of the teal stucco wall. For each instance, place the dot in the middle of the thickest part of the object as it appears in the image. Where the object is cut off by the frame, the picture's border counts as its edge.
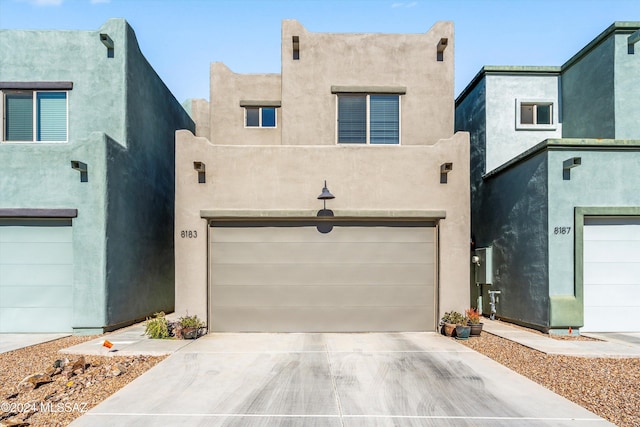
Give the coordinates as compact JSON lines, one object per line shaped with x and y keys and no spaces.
{"x":141,"y":188}
{"x":121,"y":123}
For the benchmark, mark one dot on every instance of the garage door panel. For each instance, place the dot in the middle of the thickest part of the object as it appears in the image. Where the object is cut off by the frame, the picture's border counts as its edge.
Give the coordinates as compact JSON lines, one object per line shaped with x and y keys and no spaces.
{"x":322,"y":296}
{"x":317,"y":274}
{"x":310,"y":234}
{"x":613,"y":295}
{"x":38,"y":231}
{"x":612,"y":251}
{"x":36,"y":253}
{"x":36,"y":275}
{"x":35,"y":320}
{"x":293,"y":278}
{"x":601,"y":273}
{"x":322,"y":252}
{"x":611,"y":274}
{"x":34,"y":297}
{"x":321,"y":319}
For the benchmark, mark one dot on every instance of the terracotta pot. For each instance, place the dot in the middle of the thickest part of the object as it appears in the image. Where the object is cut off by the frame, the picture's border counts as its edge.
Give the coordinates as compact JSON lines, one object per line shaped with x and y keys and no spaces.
{"x":449,"y":329}
{"x":189,"y":333}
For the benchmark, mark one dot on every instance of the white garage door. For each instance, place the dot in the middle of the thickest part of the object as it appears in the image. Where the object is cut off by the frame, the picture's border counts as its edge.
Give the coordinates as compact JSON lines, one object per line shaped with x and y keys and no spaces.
{"x":36,"y":275}
{"x":611,"y":274}
{"x":292,"y":278}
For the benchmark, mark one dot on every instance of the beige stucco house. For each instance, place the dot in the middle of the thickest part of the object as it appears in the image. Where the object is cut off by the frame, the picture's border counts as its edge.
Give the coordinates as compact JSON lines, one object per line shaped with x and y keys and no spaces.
{"x":373,"y":116}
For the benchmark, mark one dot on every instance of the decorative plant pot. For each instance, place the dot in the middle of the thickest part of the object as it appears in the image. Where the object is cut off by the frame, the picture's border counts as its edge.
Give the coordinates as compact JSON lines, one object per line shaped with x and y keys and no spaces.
{"x":189,"y":333}
{"x":449,"y":329}
{"x":476,"y":330}
{"x":462,"y":332}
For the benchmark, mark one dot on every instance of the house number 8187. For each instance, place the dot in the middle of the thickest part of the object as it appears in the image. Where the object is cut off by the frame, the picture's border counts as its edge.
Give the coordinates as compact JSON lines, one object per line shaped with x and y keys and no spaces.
{"x":562,"y":230}
{"x":189,"y":234}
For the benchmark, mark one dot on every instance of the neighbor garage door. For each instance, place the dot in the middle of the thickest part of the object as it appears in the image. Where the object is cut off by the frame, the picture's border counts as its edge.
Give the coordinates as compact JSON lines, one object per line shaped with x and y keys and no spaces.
{"x":36,"y":275}
{"x":611,"y":274}
{"x":289,"y":277}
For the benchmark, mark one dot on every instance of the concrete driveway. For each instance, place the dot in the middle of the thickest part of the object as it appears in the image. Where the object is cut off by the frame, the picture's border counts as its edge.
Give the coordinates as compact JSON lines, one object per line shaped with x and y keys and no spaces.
{"x":376,"y":379}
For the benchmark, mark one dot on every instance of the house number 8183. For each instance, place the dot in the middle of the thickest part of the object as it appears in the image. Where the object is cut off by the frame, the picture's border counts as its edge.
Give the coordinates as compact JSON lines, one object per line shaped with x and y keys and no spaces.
{"x":189,"y":234}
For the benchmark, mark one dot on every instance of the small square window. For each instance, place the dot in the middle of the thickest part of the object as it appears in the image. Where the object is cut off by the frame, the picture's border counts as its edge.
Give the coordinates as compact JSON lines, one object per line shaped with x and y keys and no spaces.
{"x":262,"y":117}
{"x":535,"y":115}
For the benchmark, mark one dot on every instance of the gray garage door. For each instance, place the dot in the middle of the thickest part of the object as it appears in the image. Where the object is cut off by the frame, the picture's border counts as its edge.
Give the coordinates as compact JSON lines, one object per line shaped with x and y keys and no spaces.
{"x":36,"y":275}
{"x":611,"y":274}
{"x":291,"y":278}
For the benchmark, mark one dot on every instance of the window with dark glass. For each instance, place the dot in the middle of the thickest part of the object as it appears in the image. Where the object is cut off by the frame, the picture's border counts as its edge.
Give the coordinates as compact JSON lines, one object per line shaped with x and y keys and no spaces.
{"x":368,"y":119}
{"x":34,"y":116}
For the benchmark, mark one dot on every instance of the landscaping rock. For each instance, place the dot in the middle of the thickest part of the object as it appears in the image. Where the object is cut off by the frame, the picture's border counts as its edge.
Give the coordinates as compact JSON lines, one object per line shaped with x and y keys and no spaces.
{"x":33,"y":381}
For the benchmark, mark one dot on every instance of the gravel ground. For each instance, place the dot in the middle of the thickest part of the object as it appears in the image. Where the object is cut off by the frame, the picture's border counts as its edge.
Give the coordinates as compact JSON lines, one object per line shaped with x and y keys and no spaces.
{"x":608,"y":387}
{"x":59,"y":402}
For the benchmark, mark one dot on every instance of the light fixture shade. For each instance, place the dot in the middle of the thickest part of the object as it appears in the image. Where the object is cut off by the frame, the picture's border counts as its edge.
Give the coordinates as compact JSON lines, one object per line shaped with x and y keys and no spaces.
{"x":326,"y":194}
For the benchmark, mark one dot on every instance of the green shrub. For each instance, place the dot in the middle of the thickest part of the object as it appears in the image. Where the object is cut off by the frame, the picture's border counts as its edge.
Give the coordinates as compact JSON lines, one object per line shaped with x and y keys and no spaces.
{"x":158,"y":327}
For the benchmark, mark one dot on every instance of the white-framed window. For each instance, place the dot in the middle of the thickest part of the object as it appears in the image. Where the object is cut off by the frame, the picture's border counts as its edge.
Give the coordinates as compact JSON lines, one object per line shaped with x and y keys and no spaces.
{"x":260,"y":117}
{"x":368,"y":118}
{"x":34,"y":116}
{"x":536,"y":114}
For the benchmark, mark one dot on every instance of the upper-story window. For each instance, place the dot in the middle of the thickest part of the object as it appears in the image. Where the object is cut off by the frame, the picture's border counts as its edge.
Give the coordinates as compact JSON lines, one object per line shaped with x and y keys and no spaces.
{"x":539,"y":114}
{"x":368,"y":118}
{"x":261,"y":117}
{"x":34,"y":116}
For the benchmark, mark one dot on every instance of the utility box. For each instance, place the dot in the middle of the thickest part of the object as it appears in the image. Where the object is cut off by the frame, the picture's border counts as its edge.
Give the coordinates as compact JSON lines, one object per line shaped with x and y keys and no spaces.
{"x":485,"y":268}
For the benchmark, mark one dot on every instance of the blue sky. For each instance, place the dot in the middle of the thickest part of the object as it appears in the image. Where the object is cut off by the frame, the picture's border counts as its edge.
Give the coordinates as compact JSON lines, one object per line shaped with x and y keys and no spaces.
{"x":180,"y":38}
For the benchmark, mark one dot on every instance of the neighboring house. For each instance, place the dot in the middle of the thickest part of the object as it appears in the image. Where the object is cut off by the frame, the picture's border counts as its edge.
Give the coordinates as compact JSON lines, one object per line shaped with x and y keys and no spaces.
{"x":373,"y":115}
{"x":554,"y":185}
{"x":86,"y":181}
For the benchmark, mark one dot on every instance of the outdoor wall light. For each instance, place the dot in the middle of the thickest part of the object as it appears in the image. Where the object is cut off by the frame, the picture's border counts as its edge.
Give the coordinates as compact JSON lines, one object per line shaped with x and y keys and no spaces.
{"x":200,"y":168}
{"x":445,"y":168}
{"x":325,"y":227}
{"x":569,"y":164}
{"x":82,"y":168}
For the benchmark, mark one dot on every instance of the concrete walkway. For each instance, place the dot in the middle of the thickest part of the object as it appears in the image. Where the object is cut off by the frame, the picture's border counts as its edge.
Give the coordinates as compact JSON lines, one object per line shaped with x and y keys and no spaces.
{"x":611,"y":344}
{"x":357,"y":380}
{"x":10,"y":342}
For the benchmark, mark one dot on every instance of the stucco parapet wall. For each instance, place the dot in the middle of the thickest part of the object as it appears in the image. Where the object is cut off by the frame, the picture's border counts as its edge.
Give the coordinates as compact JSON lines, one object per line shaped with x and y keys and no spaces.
{"x":506,"y":70}
{"x":339,"y":214}
{"x":574,"y":144}
{"x":627,"y":27}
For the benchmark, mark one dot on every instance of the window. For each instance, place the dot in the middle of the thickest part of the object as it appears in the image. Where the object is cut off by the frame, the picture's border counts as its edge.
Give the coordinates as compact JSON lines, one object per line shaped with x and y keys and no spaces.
{"x":368,"y":119}
{"x":262,"y":117}
{"x":535,"y":115}
{"x":34,"y":116}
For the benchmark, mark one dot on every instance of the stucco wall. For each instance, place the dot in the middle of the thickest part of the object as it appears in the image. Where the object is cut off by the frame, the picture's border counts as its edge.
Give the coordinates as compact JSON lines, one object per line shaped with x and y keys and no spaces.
{"x":326,"y":59}
{"x":284,"y":178}
{"x":511,"y":216}
{"x":588,"y":94}
{"x":141,"y":188}
{"x":121,"y":124}
{"x":604,"y":179}
{"x":504,"y":141}
{"x":227,"y":122}
{"x":627,"y":88}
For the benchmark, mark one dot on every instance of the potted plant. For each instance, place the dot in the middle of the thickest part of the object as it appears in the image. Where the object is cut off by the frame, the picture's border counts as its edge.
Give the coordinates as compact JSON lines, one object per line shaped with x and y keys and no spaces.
{"x":190,"y":326}
{"x":448,"y":325}
{"x":462,"y":329}
{"x":473,"y":317}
